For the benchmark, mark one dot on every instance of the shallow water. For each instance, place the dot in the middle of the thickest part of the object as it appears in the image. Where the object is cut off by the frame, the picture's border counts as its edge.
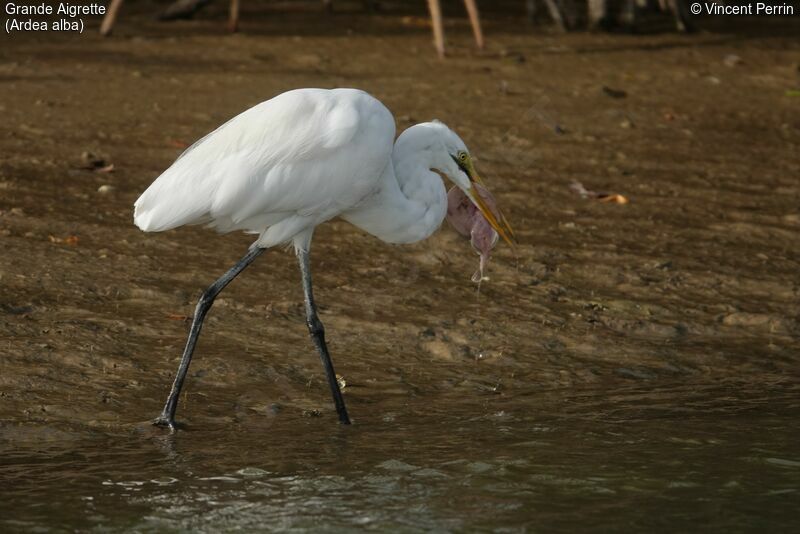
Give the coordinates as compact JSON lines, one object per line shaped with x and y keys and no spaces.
{"x":725,"y":459}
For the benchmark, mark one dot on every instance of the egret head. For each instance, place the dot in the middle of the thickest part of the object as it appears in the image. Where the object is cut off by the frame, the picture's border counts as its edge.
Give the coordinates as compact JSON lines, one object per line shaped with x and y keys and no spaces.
{"x":458,"y":166}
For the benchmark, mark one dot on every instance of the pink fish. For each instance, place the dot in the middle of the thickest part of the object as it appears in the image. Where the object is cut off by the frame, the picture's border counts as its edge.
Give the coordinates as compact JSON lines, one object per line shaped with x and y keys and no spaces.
{"x":468,"y":221}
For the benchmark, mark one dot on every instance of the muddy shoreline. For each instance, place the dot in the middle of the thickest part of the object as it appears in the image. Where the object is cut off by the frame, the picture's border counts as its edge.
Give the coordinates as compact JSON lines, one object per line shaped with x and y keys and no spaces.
{"x":694,"y":279}
{"x":688,"y":294}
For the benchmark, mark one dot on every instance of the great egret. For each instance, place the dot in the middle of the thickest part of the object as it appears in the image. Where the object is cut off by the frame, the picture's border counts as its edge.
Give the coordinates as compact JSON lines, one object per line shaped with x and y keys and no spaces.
{"x":297,"y":160}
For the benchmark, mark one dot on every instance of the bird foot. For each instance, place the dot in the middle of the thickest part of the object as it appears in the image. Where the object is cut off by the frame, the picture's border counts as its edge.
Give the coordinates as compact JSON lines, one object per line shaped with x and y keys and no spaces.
{"x":344,"y":419}
{"x":165,"y":421}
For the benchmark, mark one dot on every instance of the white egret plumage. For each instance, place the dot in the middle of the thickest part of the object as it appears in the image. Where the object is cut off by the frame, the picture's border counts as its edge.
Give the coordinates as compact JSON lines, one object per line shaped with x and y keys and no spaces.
{"x":297,"y":160}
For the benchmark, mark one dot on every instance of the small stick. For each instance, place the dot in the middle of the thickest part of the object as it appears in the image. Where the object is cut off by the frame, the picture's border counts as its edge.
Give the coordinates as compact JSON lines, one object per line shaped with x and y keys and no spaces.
{"x":233,"y":19}
{"x":555,"y":13}
{"x":598,"y":12}
{"x":110,"y":18}
{"x":438,"y":27}
{"x":474,"y":19}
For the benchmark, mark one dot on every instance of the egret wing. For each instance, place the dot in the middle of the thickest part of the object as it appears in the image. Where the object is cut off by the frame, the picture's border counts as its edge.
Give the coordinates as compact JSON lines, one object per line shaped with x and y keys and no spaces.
{"x":305,"y":156}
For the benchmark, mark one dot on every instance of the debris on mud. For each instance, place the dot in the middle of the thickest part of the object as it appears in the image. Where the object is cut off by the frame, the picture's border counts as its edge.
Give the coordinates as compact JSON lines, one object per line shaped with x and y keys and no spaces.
{"x":731,"y":60}
{"x":92,"y":162}
{"x":71,"y":240}
{"x":613,"y":93}
{"x":600,"y":196}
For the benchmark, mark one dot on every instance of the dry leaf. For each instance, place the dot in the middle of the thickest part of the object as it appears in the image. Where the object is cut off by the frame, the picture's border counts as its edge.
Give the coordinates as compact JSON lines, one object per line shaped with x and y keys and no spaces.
{"x":581,"y":191}
{"x":69,"y":240}
{"x":617,"y":199}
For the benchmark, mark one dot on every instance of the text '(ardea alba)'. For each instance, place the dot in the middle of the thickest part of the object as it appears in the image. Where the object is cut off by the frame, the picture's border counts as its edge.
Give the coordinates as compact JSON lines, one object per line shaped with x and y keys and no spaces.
{"x":297,"y":160}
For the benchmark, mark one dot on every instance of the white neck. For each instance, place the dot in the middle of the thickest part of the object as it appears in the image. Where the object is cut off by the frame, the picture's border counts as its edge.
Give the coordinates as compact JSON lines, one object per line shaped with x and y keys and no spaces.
{"x":412,"y":202}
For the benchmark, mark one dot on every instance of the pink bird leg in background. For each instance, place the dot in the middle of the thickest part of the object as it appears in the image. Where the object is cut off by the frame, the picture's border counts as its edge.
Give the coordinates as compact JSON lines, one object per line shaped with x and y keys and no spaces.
{"x":468,"y":221}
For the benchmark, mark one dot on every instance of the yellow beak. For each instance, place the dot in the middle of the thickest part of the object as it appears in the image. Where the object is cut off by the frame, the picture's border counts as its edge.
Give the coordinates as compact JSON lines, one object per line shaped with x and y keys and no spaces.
{"x":498,"y":222}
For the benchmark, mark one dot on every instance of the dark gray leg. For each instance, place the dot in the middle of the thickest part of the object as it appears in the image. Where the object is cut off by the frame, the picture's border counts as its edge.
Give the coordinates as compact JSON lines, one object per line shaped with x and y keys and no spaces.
{"x":167,"y":417}
{"x":317,"y":332}
{"x":683,"y":20}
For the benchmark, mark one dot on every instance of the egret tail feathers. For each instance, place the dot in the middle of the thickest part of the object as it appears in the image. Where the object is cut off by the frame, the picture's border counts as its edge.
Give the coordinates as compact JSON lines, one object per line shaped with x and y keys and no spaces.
{"x":173,"y":200}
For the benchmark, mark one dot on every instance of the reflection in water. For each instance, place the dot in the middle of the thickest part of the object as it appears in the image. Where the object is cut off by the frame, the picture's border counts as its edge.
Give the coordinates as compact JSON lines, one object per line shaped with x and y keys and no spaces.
{"x":629,"y":459}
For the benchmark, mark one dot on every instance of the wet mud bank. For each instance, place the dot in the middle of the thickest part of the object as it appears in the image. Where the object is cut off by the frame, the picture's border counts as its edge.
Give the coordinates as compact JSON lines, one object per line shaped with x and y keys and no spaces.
{"x":687,"y":294}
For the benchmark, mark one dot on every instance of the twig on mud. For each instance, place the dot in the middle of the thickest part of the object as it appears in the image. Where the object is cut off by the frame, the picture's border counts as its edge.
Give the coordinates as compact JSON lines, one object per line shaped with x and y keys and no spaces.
{"x":581,"y":191}
{"x":71,"y":240}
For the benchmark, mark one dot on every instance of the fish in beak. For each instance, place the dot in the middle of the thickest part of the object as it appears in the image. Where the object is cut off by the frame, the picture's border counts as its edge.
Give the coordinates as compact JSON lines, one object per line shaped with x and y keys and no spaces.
{"x":492,"y":215}
{"x":464,"y":216}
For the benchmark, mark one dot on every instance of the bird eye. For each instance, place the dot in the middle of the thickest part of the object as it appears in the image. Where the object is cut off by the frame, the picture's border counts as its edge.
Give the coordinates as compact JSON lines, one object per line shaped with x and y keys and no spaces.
{"x":462,"y":156}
